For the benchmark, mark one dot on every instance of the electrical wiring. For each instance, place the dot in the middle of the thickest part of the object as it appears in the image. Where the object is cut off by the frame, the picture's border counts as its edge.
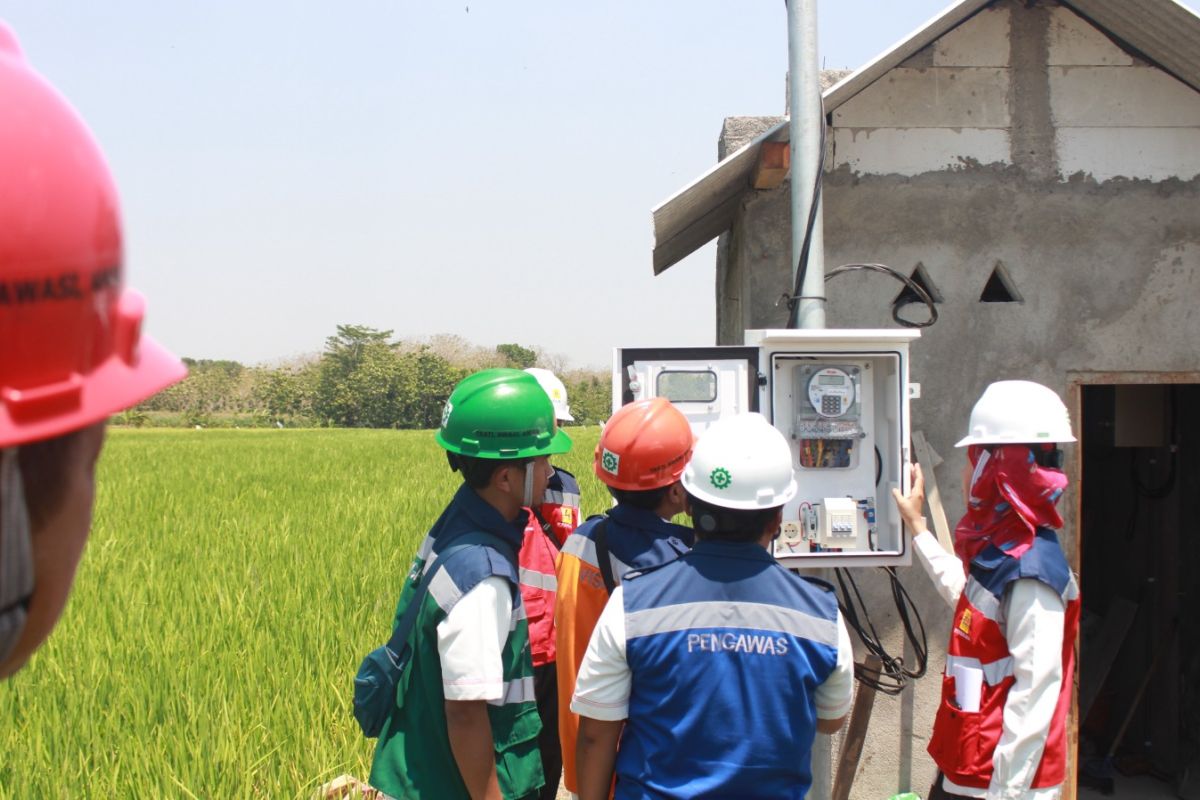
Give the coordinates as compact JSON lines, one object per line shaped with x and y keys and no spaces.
{"x":802,"y":265}
{"x":894,"y":675}
{"x":916,"y":288}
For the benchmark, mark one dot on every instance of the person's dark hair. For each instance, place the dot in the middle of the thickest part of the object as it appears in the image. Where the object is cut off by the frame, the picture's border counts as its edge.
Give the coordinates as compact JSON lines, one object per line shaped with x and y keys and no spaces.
{"x":477,"y":472}
{"x":647,"y":500}
{"x":729,"y":525}
{"x":44,"y":468}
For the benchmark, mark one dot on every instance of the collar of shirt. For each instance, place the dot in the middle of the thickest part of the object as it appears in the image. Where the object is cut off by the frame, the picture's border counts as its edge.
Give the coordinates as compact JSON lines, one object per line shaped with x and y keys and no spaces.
{"x":749,"y":551}
{"x":480,"y":515}
{"x":633,"y":517}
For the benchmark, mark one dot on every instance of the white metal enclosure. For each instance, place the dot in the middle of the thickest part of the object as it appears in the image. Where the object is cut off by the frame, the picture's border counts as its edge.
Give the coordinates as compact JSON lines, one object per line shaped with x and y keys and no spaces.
{"x":841,"y":397}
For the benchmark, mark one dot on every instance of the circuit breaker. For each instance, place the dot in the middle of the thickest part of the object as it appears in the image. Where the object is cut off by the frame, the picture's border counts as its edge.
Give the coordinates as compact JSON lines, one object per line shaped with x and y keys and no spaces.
{"x":841,"y":397}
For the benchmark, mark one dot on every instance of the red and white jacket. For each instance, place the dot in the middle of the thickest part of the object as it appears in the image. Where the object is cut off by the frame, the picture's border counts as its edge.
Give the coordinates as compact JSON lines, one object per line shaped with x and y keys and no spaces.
{"x":549,"y":526}
{"x":963,"y":743}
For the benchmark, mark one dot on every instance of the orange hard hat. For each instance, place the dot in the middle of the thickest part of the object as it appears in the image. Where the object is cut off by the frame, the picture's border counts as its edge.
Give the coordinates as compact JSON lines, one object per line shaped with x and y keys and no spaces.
{"x":645,"y":445}
{"x":71,"y":349}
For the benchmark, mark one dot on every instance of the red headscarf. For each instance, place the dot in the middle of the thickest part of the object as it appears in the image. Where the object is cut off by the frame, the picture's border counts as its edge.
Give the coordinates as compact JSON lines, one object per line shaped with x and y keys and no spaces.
{"x":1010,"y":498}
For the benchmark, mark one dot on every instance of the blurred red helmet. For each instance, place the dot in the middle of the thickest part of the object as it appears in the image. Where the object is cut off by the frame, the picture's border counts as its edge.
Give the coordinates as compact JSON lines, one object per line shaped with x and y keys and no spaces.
{"x":71,"y":348}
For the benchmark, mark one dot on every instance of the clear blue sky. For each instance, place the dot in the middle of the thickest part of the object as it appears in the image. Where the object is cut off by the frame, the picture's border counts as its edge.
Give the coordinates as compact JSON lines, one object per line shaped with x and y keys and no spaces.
{"x":477,"y":167}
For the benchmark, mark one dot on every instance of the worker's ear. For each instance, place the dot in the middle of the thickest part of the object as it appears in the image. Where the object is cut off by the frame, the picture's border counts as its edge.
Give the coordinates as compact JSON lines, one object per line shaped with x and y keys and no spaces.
{"x":502,"y":477}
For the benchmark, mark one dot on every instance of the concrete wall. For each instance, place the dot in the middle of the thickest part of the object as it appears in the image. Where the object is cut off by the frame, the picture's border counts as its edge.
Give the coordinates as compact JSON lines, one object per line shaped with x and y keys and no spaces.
{"x":1025,"y":137}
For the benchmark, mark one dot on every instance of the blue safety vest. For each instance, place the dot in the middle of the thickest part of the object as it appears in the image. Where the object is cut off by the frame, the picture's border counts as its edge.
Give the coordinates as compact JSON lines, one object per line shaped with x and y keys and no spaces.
{"x":726,"y":649}
{"x":637,"y":539}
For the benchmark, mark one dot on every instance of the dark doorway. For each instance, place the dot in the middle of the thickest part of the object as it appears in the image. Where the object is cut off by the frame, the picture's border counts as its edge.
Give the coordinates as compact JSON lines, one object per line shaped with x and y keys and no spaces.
{"x":1139,"y":676}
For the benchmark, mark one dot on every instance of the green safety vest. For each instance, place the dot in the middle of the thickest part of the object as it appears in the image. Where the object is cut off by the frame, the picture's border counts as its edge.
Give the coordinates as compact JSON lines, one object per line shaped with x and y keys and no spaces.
{"x":412,"y":756}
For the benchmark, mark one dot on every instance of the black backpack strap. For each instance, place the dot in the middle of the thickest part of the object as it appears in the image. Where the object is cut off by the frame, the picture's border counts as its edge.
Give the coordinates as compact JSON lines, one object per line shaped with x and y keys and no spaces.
{"x":603,"y":560}
{"x":546,"y":527}
{"x":404,"y":627}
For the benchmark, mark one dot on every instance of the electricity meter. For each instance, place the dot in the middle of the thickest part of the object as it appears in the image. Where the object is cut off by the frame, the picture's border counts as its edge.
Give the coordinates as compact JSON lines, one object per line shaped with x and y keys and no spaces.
{"x":828,"y":413}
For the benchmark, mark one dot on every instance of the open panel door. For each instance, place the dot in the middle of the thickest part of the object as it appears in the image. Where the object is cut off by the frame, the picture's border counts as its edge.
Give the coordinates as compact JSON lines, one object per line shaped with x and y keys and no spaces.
{"x":703,"y":382}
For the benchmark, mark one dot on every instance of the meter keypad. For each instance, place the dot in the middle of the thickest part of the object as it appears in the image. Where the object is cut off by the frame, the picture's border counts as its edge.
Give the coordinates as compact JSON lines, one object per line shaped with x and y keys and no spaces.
{"x":831,"y":406}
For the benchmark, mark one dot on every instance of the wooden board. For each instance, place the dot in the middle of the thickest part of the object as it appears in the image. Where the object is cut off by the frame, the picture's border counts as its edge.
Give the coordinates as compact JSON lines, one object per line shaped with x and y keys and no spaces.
{"x":856,"y":734}
{"x":774,"y":161}
{"x":928,"y":458}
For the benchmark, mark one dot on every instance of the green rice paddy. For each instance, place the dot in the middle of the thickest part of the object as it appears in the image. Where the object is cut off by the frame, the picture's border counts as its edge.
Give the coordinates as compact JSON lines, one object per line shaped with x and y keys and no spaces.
{"x":232,"y":582}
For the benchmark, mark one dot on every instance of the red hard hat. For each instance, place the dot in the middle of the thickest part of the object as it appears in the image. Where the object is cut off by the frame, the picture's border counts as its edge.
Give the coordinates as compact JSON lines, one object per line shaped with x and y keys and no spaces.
{"x":71,"y":349}
{"x":645,"y":445}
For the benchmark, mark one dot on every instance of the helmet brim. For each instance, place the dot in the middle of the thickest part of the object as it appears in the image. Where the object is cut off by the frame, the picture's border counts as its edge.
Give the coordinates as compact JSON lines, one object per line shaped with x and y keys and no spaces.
{"x":113,"y":386}
{"x":967,"y":441}
{"x":561,"y":443}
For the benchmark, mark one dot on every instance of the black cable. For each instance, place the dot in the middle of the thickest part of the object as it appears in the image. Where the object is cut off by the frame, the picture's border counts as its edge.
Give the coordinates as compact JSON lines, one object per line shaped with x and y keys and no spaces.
{"x":915,"y":287}
{"x":802,"y":266}
{"x":894,"y":675}
{"x":878,"y":466}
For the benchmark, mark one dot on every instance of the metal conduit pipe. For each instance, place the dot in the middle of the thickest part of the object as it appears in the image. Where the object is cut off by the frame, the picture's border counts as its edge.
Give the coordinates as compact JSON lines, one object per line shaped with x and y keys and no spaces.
{"x":805,"y":124}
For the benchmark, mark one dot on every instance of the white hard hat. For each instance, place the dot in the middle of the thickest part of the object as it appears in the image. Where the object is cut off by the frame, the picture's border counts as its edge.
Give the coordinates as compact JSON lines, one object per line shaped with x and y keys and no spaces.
{"x":1018,"y":412}
{"x":552,"y":386}
{"x":741,"y":462}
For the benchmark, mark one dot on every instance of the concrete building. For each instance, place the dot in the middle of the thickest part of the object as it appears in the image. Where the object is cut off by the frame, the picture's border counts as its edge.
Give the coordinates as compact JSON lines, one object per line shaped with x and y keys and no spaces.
{"x":1037,"y":164}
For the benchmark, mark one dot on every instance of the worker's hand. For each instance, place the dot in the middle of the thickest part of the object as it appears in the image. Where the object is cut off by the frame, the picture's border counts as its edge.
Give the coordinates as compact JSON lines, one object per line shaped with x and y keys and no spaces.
{"x":912,"y":505}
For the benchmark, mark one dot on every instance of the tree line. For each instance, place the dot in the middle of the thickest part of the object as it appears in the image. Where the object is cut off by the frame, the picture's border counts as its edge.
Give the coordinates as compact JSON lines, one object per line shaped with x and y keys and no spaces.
{"x":364,"y":378}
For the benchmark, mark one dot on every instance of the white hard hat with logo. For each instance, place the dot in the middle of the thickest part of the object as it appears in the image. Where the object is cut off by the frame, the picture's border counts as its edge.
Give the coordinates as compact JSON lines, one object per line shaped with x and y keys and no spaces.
{"x":557,"y":391}
{"x":1018,"y":412}
{"x":743,"y":463}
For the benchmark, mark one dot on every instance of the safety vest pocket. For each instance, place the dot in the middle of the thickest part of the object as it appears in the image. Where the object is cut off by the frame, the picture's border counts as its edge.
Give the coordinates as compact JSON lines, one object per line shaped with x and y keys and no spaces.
{"x":957,"y":744}
{"x":518,"y":760}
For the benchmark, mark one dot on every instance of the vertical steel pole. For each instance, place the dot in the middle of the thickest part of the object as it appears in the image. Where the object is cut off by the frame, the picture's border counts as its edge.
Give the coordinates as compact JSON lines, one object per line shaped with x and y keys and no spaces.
{"x":805,"y":124}
{"x":806,"y":117}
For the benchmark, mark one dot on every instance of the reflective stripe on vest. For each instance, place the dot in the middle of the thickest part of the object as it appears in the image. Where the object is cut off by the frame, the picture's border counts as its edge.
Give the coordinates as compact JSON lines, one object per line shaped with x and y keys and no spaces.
{"x":993,"y":672}
{"x":723,"y":614}
{"x":553,"y":497}
{"x":538,"y":580}
{"x":518,"y":691}
{"x":584,"y":549}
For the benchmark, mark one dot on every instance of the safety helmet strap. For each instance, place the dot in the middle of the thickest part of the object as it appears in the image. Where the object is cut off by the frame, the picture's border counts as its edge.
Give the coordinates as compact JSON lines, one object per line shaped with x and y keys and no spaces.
{"x":528,"y":501}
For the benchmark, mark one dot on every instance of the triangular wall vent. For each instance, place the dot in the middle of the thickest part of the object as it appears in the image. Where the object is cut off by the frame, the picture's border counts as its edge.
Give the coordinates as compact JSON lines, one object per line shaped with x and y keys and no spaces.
{"x":922,"y":279}
{"x":1000,"y":287}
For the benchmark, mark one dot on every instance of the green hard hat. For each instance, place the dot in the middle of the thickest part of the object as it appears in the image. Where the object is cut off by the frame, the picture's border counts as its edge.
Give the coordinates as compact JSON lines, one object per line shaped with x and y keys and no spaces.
{"x":501,"y":413}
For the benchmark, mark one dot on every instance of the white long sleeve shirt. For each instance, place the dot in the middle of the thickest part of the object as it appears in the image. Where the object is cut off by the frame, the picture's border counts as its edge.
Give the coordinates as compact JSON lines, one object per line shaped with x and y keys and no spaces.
{"x":1033,"y":618}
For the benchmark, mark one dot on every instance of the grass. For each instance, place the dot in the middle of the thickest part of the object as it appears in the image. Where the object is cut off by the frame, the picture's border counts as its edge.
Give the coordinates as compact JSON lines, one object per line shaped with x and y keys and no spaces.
{"x":232,"y":583}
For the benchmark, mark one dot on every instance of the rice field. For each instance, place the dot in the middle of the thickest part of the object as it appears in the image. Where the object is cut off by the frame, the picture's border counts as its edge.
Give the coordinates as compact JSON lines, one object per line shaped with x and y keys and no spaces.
{"x":232,"y":583}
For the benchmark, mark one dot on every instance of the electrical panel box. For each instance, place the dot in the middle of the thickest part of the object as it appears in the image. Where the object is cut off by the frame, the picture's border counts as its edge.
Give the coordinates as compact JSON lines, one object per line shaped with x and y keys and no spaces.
{"x":841,"y":397}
